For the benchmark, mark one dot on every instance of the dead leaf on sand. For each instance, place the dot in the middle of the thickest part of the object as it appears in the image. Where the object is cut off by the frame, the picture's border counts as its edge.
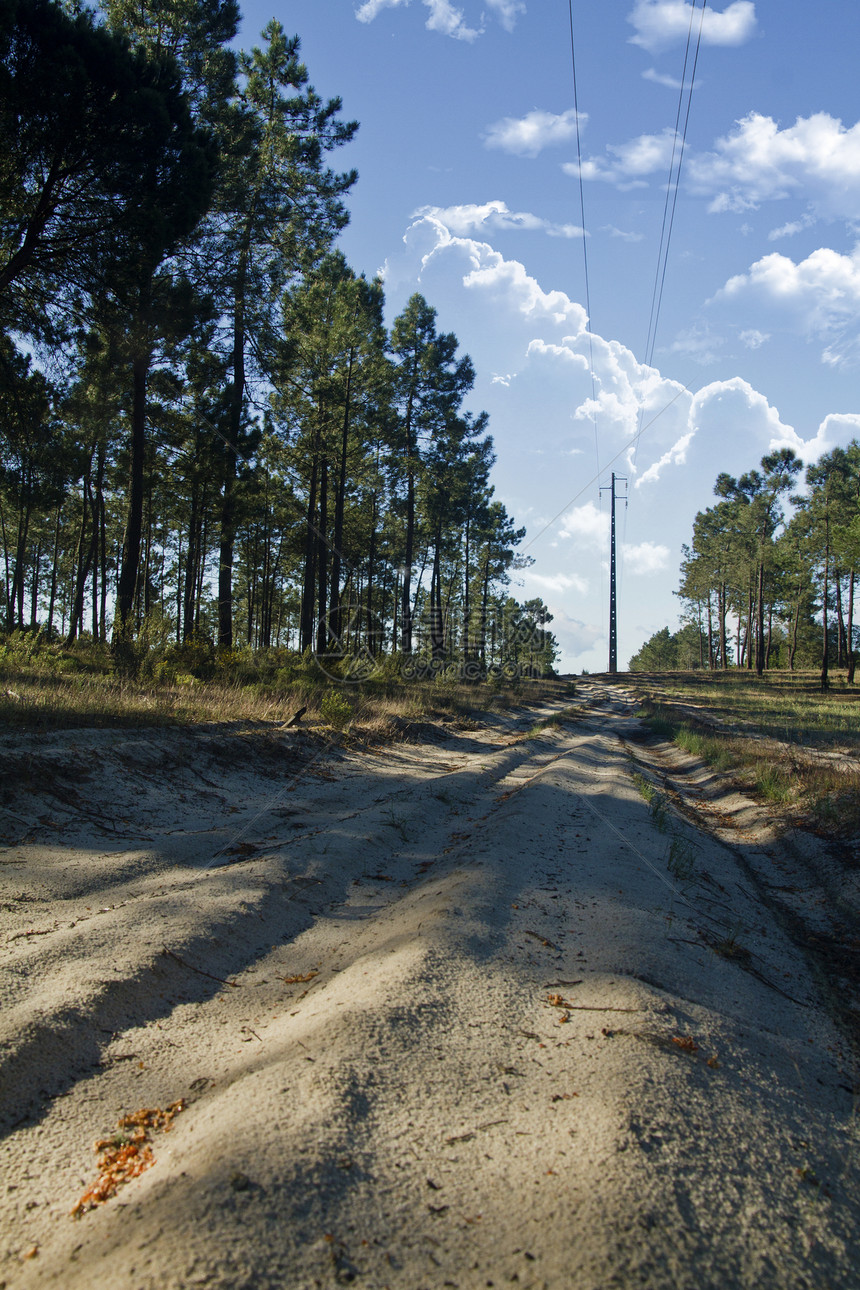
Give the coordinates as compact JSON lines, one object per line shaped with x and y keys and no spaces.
{"x":686,"y":1042}
{"x":127,"y":1153}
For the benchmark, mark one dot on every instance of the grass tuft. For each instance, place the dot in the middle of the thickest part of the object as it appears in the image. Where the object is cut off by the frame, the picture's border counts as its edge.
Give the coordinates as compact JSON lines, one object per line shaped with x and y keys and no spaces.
{"x":781,"y":739}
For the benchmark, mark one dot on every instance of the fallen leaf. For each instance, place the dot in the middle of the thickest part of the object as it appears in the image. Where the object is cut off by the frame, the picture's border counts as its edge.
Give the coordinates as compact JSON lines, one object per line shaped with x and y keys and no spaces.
{"x":126,"y":1154}
{"x":686,"y":1042}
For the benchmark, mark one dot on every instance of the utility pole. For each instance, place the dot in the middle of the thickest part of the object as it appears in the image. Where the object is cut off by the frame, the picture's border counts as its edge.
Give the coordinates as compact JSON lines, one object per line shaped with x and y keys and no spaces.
{"x":613,"y":589}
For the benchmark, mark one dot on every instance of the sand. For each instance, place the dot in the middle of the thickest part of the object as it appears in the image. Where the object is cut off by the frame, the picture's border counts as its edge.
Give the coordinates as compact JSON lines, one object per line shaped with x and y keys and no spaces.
{"x":549,"y":1036}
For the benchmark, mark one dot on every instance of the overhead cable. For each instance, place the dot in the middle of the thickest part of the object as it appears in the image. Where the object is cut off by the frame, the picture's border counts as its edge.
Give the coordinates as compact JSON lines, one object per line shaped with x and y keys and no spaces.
{"x":584,"y":238}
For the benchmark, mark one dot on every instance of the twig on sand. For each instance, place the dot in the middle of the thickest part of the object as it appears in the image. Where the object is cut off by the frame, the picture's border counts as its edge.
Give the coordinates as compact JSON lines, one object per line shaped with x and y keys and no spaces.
{"x":200,"y":971}
{"x":587,"y":1007}
{"x":543,"y":940}
{"x":470,"y":1133}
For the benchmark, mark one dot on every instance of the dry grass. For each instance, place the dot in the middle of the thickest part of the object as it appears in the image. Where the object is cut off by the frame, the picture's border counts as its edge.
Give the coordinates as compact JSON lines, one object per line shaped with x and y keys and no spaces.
{"x":794,"y":747}
{"x":788,"y":706}
{"x":55,"y":690}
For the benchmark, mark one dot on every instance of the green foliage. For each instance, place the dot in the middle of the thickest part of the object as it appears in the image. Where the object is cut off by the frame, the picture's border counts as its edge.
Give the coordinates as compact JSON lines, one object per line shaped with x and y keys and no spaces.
{"x":680,"y":859}
{"x":668,"y":652}
{"x":237,"y":447}
{"x":336,"y":709}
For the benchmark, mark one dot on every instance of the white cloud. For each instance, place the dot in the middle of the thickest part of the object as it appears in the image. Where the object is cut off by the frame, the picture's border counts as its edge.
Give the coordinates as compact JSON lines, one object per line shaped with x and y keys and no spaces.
{"x":445,"y":18}
{"x":752,"y":338}
{"x":837,"y":428}
{"x":542,"y":337}
{"x":675,"y":456}
{"x":645,"y":558}
{"x":620,"y":233}
{"x":559,"y":582}
{"x":493,"y":216}
{"x":660,"y":23}
{"x":449,"y":21}
{"x":528,"y":135}
{"x":790,"y":229}
{"x":508,"y":10}
{"x":819,"y":296}
{"x":698,"y":344}
{"x":371,"y":8}
{"x":575,"y":637}
{"x":629,"y":163}
{"x":710,"y":414}
{"x":659,"y":78}
{"x":817,"y":157}
{"x":587,"y":525}
{"x":489,"y":271}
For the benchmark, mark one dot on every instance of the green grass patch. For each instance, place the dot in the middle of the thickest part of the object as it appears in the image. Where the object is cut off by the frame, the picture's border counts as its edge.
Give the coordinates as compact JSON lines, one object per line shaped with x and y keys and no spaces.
{"x":769,"y":751}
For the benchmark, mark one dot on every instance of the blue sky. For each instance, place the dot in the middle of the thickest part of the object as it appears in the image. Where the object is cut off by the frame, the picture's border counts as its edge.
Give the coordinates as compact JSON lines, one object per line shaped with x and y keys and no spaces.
{"x":469,"y":193}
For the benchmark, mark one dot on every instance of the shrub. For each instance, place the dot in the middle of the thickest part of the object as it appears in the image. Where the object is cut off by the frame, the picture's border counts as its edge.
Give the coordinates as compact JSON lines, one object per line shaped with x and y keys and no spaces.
{"x":336,"y":709}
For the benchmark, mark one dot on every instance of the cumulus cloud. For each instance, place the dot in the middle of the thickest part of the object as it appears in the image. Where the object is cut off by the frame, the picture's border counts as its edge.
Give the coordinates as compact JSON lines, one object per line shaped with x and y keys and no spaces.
{"x":492,"y":216}
{"x":628,"y":164}
{"x":645,"y":558}
{"x":445,"y":18}
{"x":449,"y":21}
{"x":530,"y":134}
{"x":575,"y":637}
{"x":489,"y":271}
{"x":675,"y":456}
{"x":587,"y":525}
{"x":660,"y":23}
{"x":542,"y":337}
{"x":817,"y":157}
{"x":819,"y":296}
{"x":837,"y":428}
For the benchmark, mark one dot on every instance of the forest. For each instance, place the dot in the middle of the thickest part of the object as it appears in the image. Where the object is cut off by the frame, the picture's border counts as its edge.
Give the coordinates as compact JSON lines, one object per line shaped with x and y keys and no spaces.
{"x":207,"y":433}
{"x":769,"y":578}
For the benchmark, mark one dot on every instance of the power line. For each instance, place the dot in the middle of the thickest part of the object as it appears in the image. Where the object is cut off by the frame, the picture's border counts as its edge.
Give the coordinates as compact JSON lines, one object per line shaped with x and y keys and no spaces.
{"x":584,"y":236}
{"x":685,"y":389}
{"x":658,"y":276}
{"x":582,"y":224}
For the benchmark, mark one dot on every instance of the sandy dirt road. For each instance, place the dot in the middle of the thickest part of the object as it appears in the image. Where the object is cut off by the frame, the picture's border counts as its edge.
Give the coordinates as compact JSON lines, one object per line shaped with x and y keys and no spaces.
{"x":550,"y":1035}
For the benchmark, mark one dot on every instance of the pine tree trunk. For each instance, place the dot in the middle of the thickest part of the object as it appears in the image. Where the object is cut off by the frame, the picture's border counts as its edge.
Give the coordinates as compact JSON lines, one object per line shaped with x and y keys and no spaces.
{"x":759,"y":629}
{"x":339,"y":506}
{"x":52,"y":599}
{"x":306,"y":622}
{"x":825,"y":678}
{"x":231,"y":458}
{"x":130,"y":566}
{"x":8,"y":587}
{"x":851,"y":658}
{"x":322,"y":565}
{"x":841,"y":651}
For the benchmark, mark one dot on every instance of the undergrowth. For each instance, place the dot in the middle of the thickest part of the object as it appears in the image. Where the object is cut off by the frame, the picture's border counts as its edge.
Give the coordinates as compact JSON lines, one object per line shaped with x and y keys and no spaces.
{"x":810,"y":790}
{"x":46,"y":685}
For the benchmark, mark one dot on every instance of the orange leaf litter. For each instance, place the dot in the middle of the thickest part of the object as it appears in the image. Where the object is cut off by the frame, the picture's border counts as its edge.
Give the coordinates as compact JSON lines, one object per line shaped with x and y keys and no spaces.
{"x":127,"y":1153}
